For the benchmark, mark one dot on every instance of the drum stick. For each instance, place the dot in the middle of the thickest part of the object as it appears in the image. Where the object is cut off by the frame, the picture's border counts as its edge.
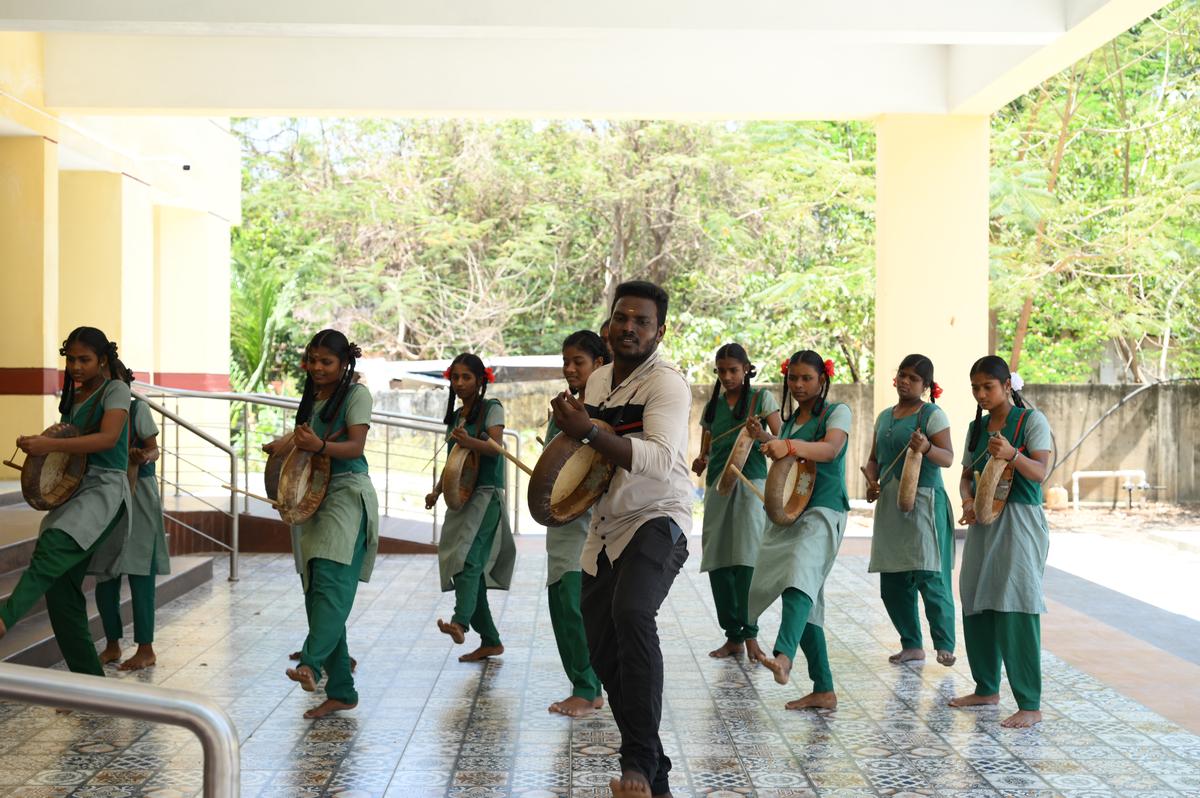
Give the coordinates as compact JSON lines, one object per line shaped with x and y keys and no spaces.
{"x":753,"y":488}
{"x":729,"y":431}
{"x":538,"y":438}
{"x":11,"y":464}
{"x":870,"y":482}
{"x":501,"y":450}
{"x":252,"y":495}
{"x":888,"y":470}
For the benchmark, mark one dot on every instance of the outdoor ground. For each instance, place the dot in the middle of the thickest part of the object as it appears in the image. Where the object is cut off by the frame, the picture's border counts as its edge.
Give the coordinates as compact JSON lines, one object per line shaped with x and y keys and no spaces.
{"x":430,"y":726}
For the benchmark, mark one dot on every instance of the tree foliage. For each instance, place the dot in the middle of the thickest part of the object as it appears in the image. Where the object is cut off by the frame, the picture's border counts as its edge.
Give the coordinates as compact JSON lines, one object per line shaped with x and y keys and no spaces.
{"x":423,"y":238}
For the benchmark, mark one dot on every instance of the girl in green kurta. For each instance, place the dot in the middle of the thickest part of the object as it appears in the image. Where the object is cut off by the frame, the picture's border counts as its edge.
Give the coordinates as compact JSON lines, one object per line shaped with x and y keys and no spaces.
{"x":913,"y":552}
{"x":1000,"y":583}
{"x":794,"y":560}
{"x":583,"y":352}
{"x":476,"y":551}
{"x":733,"y":524}
{"x":144,"y":555}
{"x":338,"y":544}
{"x":85,"y":534}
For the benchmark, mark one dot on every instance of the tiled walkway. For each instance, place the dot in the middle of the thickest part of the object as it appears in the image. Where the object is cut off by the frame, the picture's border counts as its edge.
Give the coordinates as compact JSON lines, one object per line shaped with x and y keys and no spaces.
{"x":430,"y":726}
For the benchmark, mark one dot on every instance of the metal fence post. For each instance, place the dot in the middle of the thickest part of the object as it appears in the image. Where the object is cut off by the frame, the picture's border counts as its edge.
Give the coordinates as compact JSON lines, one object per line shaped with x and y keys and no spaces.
{"x":245,"y":457}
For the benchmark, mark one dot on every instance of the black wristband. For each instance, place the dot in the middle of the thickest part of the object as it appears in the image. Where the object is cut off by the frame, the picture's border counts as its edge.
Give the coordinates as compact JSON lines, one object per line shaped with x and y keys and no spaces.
{"x":322,"y":449}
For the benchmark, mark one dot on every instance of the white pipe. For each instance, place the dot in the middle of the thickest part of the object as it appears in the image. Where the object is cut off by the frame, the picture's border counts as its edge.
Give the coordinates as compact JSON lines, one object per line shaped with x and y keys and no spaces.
{"x":1128,"y":473}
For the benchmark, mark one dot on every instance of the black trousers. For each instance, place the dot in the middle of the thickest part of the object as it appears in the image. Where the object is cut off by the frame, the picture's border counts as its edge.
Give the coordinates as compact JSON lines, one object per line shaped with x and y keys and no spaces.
{"x":619,"y":605}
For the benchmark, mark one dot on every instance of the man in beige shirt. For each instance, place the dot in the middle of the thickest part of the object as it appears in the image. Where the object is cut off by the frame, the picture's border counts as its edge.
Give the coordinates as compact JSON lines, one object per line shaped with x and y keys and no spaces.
{"x":638,"y":538}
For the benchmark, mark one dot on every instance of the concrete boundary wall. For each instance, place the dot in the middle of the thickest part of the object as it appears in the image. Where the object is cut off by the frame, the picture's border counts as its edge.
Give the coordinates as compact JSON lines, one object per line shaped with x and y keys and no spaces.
{"x":1157,"y":431}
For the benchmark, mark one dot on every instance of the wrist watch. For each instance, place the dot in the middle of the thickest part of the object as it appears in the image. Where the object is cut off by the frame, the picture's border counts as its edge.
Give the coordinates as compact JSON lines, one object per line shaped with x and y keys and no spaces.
{"x":590,"y":436}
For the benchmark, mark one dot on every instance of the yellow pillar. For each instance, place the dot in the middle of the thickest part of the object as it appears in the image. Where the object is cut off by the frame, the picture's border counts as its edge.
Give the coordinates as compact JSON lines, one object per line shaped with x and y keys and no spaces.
{"x":29,"y":360}
{"x":191,"y":323}
{"x":931,"y":257}
{"x":106,"y":262}
{"x":191,"y":262}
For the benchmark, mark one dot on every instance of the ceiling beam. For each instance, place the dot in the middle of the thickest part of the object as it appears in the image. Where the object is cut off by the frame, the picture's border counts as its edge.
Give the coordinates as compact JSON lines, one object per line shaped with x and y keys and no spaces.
{"x":865,"y":21}
{"x":539,"y":78}
{"x":983,"y":79}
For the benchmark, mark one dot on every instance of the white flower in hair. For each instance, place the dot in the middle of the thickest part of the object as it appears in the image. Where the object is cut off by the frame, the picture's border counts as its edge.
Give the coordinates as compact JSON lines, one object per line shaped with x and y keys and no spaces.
{"x":1017,"y":382}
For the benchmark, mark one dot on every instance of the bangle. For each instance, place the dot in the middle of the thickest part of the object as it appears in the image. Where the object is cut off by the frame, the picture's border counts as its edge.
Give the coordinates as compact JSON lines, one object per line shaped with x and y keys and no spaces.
{"x":1013,"y":459}
{"x":791,"y":449}
{"x":928,"y":447}
{"x":322,"y":449}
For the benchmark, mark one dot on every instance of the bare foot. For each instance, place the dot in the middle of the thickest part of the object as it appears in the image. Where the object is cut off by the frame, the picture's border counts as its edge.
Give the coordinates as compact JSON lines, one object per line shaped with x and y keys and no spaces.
{"x":946,"y":658}
{"x":731,"y":648}
{"x":328,"y":707}
{"x":754,"y":651}
{"x":972,"y":700}
{"x":295,"y":657}
{"x":483,"y":652}
{"x":456,"y":632}
{"x":144,"y":658}
{"x":576,"y":707}
{"x":631,"y":785}
{"x":1022,"y":719}
{"x":779,"y":665}
{"x":907,"y":655}
{"x":111,"y":652}
{"x":814,"y":701}
{"x":303,"y":675}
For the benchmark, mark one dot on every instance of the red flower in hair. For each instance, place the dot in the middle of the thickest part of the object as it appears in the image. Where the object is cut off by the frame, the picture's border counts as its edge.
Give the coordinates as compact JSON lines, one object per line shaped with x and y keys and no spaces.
{"x":783,"y":368}
{"x":446,"y":373}
{"x":935,"y":391}
{"x":489,"y":374}
{"x":828,"y":368}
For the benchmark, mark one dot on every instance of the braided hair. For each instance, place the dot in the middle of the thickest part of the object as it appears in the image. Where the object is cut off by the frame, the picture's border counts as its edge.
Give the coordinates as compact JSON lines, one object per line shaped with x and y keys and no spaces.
{"x":106,"y":352}
{"x":732,"y":351}
{"x":809,"y":358}
{"x":992,"y":366}
{"x":475,"y":365}
{"x":346,"y":353}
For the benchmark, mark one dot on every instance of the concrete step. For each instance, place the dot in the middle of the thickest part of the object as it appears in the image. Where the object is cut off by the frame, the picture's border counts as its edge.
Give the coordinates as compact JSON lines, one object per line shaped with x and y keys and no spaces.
{"x":31,"y":640}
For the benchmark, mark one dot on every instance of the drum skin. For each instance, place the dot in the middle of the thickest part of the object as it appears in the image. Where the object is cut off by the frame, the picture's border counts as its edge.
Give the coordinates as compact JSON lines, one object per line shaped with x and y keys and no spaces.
{"x":790,"y":483}
{"x":303,"y":482}
{"x":48,"y":480}
{"x":458,"y":479}
{"x":568,"y":479}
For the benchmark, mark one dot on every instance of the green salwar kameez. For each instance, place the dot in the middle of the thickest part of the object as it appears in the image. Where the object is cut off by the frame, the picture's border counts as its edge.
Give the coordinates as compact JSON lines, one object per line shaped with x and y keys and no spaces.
{"x":84,"y":535}
{"x":476,"y":550}
{"x":564,"y":584}
{"x":913,"y":552}
{"x":795,"y":560}
{"x":733,"y":524}
{"x":145,"y":552}
{"x":1001,"y":578}
{"x":337,"y":551}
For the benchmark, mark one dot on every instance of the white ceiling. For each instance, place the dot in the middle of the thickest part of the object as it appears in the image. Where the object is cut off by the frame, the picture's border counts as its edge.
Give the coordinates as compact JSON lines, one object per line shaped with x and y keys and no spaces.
{"x":557,"y":58}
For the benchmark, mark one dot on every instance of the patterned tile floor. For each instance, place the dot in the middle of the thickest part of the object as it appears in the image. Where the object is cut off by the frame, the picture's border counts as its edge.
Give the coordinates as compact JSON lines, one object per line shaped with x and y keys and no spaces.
{"x":430,"y":726}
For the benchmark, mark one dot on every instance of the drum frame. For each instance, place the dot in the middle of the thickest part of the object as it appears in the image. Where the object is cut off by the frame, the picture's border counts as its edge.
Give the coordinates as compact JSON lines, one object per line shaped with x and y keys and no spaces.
{"x":31,"y":472}
{"x":784,"y":506}
{"x":583,"y":496}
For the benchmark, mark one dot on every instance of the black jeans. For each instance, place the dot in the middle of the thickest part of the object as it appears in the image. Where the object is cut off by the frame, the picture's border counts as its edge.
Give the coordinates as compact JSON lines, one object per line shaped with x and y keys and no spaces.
{"x":619,"y":607}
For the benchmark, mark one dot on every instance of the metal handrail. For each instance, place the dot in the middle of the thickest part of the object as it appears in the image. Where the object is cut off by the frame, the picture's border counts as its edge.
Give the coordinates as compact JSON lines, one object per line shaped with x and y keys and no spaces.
{"x":383,"y":417}
{"x":233,"y":472}
{"x":193,"y":711}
